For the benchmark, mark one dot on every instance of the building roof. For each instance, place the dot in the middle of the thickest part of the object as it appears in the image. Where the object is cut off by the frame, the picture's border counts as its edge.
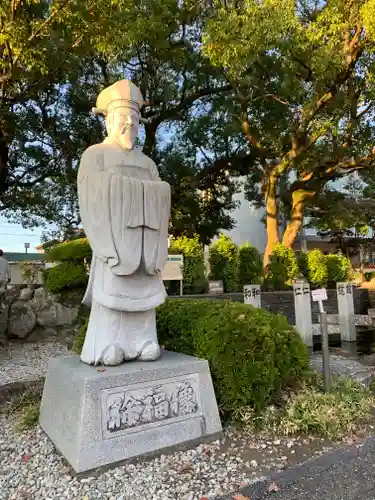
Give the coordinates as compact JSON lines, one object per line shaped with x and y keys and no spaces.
{"x":22,"y":257}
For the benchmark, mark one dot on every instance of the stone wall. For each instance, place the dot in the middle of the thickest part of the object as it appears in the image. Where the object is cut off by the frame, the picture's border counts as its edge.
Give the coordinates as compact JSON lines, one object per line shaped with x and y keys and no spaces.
{"x":33,"y":314}
{"x":283,"y":302}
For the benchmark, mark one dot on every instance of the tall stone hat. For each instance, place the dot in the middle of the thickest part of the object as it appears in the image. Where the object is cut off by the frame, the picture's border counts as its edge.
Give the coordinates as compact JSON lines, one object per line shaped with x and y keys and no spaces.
{"x":121,"y":93}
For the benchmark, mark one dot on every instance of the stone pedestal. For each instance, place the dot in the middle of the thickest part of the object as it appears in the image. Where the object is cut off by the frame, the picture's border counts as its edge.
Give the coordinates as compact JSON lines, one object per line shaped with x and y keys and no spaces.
{"x":345,"y":301}
{"x":302,"y":306}
{"x":252,"y":296}
{"x":100,"y":416}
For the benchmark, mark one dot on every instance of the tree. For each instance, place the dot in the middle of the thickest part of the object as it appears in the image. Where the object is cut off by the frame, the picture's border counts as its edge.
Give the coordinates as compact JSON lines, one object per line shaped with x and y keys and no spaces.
{"x":347,"y":217}
{"x":304,"y":76}
{"x":54,"y":125}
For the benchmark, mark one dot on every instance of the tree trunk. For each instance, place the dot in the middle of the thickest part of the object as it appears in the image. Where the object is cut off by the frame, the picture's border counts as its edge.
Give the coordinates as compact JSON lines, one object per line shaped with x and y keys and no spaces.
{"x":296,"y":216}
{"x":271,"y":217}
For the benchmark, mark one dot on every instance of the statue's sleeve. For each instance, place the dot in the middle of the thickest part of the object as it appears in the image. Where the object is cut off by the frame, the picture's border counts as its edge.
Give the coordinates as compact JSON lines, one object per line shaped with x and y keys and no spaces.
{"x":157,"y":209}
{"x":93,"y":197}
{"x":111,"y":208}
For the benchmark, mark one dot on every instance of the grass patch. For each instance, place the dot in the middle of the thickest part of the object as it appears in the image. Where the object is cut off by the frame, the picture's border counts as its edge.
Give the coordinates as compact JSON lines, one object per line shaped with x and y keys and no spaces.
{"x":24,"y":408}
{"x":308,"y":410}
{"x":28,"y":417}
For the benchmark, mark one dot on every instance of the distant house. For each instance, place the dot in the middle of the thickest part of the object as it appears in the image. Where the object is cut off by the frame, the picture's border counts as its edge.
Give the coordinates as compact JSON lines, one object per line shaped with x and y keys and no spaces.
{"x":364,"y":259}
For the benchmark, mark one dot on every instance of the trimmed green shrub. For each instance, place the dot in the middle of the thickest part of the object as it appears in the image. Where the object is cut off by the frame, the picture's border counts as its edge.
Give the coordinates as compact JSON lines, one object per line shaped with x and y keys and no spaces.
{"x":253,"y":354}
{"x":64,"y":276}
{"x":224,"y":263}
{"x":302,"y":263}
{"x":338,"y":268}
{"x":318,"y":269}
{"x":71,"y":250}
{"x":250,"y":265}
{"x":193,"y":272}
{"x":282,"y":267}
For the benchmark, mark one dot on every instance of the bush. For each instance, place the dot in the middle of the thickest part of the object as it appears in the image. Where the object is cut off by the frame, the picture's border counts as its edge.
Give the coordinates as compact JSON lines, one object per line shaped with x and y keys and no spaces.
{"x":224,"y":263}
{"x":193,"y":272}
{"x":308,"y":410}
{"x":282,"y":267}
{"x":252,"y":353}
{"x":78,"y":250}
{"x":250,"y":265}
{"x":338,"y":269}
{"x":65,"y":276}
{"x":303,"y":265}
{"x":317,"y":268}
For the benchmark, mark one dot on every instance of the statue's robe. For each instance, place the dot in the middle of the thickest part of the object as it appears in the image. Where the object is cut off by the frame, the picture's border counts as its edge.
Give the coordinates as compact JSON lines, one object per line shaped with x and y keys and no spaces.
{"x":125,"y":210}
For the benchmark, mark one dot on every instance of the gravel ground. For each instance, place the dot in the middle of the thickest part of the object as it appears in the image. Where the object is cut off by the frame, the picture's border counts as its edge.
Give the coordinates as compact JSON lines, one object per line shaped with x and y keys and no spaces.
{"x":31,"y":469}
{"x":20,"y":362}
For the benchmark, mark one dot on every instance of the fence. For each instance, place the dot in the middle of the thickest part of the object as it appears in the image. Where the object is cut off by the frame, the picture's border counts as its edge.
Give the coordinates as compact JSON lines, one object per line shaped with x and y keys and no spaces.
{"x":347,"y":308}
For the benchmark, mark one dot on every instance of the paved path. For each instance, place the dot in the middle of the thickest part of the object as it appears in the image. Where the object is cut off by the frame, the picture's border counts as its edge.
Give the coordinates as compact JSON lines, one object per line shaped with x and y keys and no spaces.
{"x":345,"y":474}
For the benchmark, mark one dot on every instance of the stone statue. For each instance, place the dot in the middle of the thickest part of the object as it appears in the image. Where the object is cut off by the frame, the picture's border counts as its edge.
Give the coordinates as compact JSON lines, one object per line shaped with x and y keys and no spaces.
{"x":125,"y":209}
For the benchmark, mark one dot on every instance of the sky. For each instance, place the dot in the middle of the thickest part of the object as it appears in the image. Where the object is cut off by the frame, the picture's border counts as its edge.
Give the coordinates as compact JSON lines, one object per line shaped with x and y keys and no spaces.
{"x":13,"y":237}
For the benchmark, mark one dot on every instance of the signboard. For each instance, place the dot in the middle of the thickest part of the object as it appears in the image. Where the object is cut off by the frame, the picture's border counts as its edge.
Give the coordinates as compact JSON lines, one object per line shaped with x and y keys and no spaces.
{"x":319,"y":295}
{"x":251,"y":295}
{"x":173,"y":268}
{"x":215,"y":287}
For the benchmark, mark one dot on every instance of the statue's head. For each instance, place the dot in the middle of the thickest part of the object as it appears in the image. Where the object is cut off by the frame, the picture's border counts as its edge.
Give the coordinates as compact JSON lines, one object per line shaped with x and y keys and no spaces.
{"x":120,"y":104}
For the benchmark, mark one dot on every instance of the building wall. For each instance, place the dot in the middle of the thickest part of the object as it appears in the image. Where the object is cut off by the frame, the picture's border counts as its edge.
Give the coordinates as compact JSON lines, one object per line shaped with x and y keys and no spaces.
{"x":249,"y":226}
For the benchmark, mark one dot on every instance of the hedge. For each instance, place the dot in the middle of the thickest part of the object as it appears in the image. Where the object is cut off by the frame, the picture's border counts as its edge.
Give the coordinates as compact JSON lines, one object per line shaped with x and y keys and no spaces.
{"x":224,"y":263}
{"x":65,"y":276}
{"x":253,"y":353}
{"x":282,"y":267}
{"x":78,"y":250}
{"x":250,"y":265}
{"x":193,"y":270}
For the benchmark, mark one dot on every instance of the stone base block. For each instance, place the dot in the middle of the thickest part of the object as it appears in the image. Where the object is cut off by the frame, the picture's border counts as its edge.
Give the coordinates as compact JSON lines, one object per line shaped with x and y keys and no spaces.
{"x":99,"y":416}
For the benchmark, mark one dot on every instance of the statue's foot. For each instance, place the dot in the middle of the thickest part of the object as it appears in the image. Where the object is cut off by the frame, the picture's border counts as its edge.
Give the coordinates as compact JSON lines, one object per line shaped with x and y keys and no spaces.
{"x":150,"y":351}
{"x":112,"y":355}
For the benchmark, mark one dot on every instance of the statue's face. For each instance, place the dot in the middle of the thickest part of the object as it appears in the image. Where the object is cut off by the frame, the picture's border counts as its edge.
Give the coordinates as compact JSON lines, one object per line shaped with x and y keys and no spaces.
{"x":123,"y":124}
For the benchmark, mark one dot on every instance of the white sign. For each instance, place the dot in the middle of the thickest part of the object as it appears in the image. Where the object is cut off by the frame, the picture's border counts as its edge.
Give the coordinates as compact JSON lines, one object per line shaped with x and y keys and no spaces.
{"x":173,"y":268}
{"x":319,"y":295}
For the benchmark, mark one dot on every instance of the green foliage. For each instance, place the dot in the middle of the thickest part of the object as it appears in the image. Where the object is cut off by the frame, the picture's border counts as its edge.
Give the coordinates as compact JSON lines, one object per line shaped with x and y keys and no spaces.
{"x":303,"y":265}
{"x":75,"y":250}
{"x":66,"y":276}
{"x":324,"y":270}
{"x":24,"y":407}
{"x":308,"y":410}
{"x":80,"y":337}
{"x":29,"y":416}
{"x":253,"y":354}
{"x":224,"y":263}
{"x":317,"y":268}
{"x":282,"y":268}
{"x":250,"y":265}
{"x":317,"y":57}
{"x":338,"y":268}
{"x":193,"y":270}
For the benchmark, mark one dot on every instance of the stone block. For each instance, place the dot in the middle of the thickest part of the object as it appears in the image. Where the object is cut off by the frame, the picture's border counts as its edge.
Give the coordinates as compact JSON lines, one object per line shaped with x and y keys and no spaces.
{"x":22,"y":320}
{"x":99,"y":416}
